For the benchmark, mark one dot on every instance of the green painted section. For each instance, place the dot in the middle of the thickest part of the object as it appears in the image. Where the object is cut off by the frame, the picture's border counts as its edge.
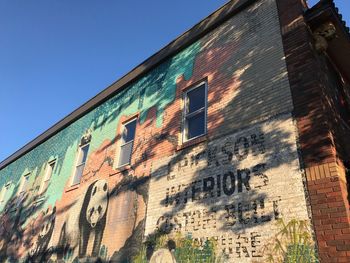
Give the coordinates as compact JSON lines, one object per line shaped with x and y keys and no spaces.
{"x":156,"y":89}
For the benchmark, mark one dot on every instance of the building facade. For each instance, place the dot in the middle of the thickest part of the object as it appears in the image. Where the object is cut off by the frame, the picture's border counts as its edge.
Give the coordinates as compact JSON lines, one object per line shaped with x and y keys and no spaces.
{"x":211,"y":150}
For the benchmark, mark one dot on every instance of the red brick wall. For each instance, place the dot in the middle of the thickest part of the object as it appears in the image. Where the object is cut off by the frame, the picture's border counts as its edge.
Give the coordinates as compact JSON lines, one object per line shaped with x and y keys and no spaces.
{"x":319,"y":135}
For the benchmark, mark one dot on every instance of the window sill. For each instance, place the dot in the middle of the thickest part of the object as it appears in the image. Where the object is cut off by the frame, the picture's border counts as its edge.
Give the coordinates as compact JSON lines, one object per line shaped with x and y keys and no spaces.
{"x":121,"y":169}
{"x":192,"y":142}
{"x":40,"y":197}
{"x":73,"y":187}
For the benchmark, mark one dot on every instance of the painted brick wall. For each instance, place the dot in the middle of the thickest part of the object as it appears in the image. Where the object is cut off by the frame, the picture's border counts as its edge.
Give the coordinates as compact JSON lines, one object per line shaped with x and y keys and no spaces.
{"x":249,"y":154}
{"x":232,"y":189}
{"x":186,"y":190}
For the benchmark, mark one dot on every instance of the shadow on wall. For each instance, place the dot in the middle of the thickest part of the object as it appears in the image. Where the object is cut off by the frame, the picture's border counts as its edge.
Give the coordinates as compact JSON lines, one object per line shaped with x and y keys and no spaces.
{"x":221,"y":183}
{"x":228,"y":177}
{"x":26,"y":228}
{"x":233,"y":176}
{"x":14,"y":236}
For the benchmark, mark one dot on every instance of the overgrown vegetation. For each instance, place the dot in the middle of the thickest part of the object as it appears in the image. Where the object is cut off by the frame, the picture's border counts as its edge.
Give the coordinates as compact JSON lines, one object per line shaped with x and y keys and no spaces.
{"x":292,"y":244}
{"x":184,"y":249}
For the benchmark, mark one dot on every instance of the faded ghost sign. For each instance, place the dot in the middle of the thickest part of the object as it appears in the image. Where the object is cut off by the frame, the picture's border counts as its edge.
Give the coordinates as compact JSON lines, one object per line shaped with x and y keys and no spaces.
{"x":231,"y":189}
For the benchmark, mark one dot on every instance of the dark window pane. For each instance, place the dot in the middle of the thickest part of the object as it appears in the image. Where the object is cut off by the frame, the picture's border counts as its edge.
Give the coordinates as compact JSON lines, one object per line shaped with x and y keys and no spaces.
{"x":196,"y":99}
{"x":196,"y":125}
{"x":125,"y":153}
{"x":52,"y":166}
{"x":84,"y":152}
{"x":49,"y":171}
{"x":129,"y":131}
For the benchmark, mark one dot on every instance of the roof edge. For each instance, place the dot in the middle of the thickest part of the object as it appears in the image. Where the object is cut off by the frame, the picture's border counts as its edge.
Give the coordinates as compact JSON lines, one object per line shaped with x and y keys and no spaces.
{"x":320,"y":7}
{"x":187,"y":38}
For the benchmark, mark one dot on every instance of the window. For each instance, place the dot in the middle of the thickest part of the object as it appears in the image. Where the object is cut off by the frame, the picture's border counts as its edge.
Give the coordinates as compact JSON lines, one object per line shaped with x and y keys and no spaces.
{"x":4,"y":191}
{"x":46,"y":179}
{"x":80,"y":164}
{"x":127,"y":141}
{"x":195,"y":112}
{"x":24,"y":184}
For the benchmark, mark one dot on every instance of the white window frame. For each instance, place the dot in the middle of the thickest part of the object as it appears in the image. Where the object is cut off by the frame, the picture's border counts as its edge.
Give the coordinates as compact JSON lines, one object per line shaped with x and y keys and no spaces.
{"x":3,"y":192}
{"x":80,"y":152}
{"x":185,"y":115}
{"x":121,"y":143}
{"x":50,"y":167}
{"x":23,"y":187}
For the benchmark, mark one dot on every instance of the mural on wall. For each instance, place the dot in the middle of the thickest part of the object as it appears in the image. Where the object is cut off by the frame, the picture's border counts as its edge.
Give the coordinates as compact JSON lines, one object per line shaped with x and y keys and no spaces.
{"x":104,"y":218}
{"x":87,"y":229}
{"x":39,"y":249}
{"x":88,"y":225}
{"x":154,"y":91}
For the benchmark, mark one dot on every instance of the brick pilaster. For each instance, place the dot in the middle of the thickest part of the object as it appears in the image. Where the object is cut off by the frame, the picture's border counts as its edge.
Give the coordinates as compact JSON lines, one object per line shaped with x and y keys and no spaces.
{"x":326,"y":181}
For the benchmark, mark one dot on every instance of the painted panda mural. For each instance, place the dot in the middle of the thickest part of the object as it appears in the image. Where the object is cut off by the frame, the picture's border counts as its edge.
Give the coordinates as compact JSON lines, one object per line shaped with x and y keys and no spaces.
{"x":38,"y":249}
{"x":93,"y":217}
{"x":46,"y":230}
{"x":85,"y":224}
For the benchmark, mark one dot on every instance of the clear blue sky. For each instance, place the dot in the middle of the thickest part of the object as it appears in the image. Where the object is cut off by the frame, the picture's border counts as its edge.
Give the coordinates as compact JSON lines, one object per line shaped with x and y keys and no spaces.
{"x":55,"y":55}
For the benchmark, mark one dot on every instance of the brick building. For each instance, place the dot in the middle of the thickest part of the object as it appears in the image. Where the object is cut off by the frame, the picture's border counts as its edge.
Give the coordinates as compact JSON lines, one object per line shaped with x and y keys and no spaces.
{"x":204,"y":151}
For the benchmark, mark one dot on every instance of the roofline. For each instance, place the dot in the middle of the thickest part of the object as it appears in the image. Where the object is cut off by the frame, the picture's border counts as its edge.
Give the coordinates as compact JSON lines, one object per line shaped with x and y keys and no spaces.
{"x":212,"y":21}
{"x":321,"y":7}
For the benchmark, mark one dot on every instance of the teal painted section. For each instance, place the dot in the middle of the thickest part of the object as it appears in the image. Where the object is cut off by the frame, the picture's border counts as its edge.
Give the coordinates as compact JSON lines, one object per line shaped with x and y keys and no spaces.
{"x":156,"y":89}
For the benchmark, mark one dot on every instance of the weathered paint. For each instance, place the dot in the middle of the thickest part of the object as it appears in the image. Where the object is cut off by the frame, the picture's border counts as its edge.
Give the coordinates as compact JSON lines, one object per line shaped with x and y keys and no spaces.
{"x":243,"y":63}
